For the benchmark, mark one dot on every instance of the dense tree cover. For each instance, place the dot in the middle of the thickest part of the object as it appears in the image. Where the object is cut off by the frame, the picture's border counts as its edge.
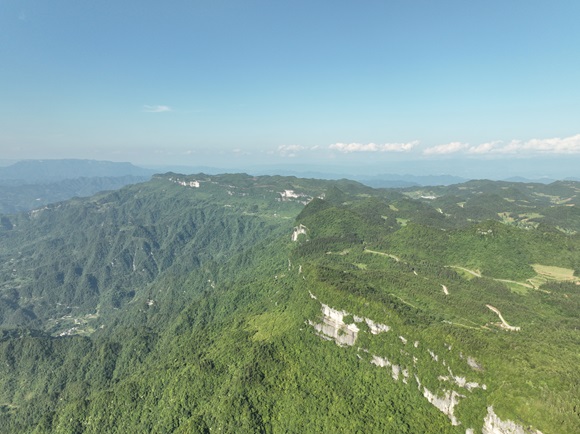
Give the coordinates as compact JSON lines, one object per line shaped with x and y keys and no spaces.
{"x":214,"y":333}
{"x":70,"y":258}
{"x":406,"y":269}
{"x":227,"y":361}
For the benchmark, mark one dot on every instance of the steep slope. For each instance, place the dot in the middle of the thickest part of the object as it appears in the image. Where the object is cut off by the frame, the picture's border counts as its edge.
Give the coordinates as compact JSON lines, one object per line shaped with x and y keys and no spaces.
{"x":370,"y":312}
{"x":64,"y":265}
{"x":440,"y":289}
{"x":238,"y":358}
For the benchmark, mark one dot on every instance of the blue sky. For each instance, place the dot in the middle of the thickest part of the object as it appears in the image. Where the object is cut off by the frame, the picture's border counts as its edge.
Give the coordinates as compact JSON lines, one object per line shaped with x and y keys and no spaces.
{"x":337,"y":83}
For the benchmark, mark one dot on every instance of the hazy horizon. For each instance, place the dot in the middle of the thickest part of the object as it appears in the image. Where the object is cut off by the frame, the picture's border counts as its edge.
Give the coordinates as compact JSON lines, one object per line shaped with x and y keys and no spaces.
{"x":461,"y":88}
{"x":554,"y":169}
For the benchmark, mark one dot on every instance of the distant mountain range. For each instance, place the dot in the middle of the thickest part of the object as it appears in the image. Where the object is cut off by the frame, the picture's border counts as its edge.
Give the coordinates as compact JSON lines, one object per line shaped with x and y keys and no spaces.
{"x":30,"y":184}
{"x":47,"y":171}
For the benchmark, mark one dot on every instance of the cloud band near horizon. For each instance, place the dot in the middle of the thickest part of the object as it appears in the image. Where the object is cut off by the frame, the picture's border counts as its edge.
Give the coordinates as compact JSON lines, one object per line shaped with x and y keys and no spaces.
{"x":556,"y":145}
{"x":551,"y":146}
{"x":373,"y":147}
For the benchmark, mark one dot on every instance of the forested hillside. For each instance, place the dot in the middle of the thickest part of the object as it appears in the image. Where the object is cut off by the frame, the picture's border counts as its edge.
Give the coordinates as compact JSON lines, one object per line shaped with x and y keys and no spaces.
{"x":522,"y":204}
{"x":233,"y":303}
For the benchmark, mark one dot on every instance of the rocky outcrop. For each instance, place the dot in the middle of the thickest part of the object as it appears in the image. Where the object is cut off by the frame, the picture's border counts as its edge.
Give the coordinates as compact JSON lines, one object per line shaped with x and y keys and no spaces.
{"x":445,"y":403}
{"x":383,"y":362}
{"x":298,"y":230}
{"x":334,"y":327}
{"x":492,"y":424}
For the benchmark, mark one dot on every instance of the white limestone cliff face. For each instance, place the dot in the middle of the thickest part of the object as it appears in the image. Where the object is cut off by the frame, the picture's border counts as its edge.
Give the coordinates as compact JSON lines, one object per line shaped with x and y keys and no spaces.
{"x":334,"y":327}
{"x":383,"y":362}
{"x":298,"y":230}
{"x":291,"y":195}
{"x":461,"y":381}
{"x":474,"y":364}
{"x":445,"y":403}
{"x":492,"y":424}
{"x":444,"y":398}
{"x":192,"y":184}
{"x":376,"y":328}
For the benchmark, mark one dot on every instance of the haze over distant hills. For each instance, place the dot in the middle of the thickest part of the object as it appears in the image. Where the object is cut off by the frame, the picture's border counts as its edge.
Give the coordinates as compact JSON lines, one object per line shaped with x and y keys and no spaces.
{"x":30,"y":184}
{"x":43,"y":171}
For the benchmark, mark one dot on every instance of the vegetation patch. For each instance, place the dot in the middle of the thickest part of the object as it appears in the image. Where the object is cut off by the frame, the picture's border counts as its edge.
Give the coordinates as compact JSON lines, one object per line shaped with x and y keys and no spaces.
{"x":269,"y":325}
{"x":559,"y":274}
{"x":402,"y":221}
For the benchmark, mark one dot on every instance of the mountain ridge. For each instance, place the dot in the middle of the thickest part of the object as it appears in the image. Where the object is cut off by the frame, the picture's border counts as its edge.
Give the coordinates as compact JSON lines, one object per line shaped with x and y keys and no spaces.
{"x":233,"y":292}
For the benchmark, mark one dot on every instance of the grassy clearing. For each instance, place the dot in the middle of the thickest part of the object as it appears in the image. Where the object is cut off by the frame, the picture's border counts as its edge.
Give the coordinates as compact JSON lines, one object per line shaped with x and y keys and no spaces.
{"x":521,"y":220}
{"x":402,"y":222}
{"x":545,"y":273}
{"x":555,"y":273}
{"x":506,"y":217}
{"x":556,"y":200}
{"x":521,"y":288}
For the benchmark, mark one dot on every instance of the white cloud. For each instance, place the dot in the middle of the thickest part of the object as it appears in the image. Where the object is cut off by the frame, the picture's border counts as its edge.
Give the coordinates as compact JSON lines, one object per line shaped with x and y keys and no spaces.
{"x":448,"y":148}
{"x":562,"y":146}
{"x":373,"y":147}
{"x":556,"y":145}
{"x":290,"y":150}
{"x":485,"y":148}
{"x":156,"y":108}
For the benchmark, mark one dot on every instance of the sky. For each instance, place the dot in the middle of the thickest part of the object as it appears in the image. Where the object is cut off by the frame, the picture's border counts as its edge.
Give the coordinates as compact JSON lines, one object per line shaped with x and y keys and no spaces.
{"x":393,"y":85}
